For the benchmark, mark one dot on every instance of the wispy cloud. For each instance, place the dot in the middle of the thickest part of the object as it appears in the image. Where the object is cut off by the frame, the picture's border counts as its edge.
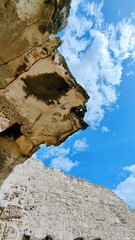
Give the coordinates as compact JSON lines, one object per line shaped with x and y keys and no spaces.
{"x":56,"y":152}
{"x":80,"y":145}
{"x":62,"y":157}
{"x":95,"y":53}
{"x":63,"y":163}
{"x":105,"y":129}
{"x":126,"y":188}
{"x":122,"y":39}
{"x":59,"y":157}
{"x":131,"y":73}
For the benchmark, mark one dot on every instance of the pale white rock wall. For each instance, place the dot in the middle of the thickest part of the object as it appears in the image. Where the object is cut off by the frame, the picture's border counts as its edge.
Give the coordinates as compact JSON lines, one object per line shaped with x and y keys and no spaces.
{"x":38,"y":202}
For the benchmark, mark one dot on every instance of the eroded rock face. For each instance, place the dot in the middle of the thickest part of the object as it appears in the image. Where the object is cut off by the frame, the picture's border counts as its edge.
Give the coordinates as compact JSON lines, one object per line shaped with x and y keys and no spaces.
{"x":41,"y":203}
{"x":40,"y":101}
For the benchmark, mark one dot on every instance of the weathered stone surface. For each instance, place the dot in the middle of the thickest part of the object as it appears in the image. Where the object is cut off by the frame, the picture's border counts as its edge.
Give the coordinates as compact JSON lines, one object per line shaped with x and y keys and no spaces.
{"x":40,"y":101}
{"x":25,"y":28}
{"x":39,"y":202}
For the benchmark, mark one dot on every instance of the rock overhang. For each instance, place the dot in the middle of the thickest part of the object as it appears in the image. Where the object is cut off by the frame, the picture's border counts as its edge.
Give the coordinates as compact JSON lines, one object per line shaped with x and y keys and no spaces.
{"x":40,"y":100}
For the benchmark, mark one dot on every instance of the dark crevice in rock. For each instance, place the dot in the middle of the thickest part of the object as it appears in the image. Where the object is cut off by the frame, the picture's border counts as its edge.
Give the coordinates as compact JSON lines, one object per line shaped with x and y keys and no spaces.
{"x":25,"y":237}
{"x":25,"y":52}
{"x":79,"y":238}
{"x":48,"y":238}
{"x":12,"y":132}
{"x":46,"y":87}
{"x":79,"y":111}
{"x":97,"y":239}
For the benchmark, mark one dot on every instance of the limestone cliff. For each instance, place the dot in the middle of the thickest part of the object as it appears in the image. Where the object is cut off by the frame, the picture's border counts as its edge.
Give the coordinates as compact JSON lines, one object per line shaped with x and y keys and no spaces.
{"x":40,"y":101}
{"x":41,"y":203}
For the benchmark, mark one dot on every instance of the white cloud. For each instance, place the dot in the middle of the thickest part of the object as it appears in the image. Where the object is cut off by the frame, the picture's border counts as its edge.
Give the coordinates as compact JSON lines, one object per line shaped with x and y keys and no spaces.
{"x":122,"y":39}
{"x":59,"y":157}
{"x":56,"y":152}
{"x":126,"y":188}
{"x":95,"y":53}
{"x":80,"y":145}
{"x":131,"y":73}
{"x":130,"y":169}
{"x":64,"y":164}
{"x":105,"y":129}
{"x":94,"y":9}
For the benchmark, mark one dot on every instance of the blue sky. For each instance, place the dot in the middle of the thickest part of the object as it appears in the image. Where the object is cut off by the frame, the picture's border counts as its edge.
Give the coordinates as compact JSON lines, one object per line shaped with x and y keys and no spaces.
{"x":99,"y":46}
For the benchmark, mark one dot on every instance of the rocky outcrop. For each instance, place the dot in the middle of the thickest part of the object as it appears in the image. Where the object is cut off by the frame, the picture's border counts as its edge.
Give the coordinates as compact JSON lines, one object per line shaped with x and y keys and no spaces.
{"x":40,"y":101}
{"x":41,"y":203}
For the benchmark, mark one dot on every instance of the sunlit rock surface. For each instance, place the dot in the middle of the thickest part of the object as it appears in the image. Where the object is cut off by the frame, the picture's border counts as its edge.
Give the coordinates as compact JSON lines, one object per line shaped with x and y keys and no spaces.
{"x":40,"y":101}
{"x":37,"y":201}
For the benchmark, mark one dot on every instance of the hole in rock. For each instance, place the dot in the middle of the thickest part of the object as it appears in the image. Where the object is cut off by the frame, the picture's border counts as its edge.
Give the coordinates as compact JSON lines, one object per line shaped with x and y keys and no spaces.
{"x":12,"y":132}
{"x":97,"y":239}
{"x":79,"y":238}
{"x":42,"y":29}
{"x":79,"y":111}
{"x":25,"y":237}
{"x":48,"y":238}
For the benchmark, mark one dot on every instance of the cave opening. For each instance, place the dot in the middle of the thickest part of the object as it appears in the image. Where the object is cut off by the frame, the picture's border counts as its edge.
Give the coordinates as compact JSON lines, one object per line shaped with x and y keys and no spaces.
{"x":13,"y":132}
{"x":79,"y":111}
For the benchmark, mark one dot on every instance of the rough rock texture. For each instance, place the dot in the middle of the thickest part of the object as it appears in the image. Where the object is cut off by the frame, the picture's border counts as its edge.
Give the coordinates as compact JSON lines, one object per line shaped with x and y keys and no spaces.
{"x":39,"y":202}
{"x":40,"y":101}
